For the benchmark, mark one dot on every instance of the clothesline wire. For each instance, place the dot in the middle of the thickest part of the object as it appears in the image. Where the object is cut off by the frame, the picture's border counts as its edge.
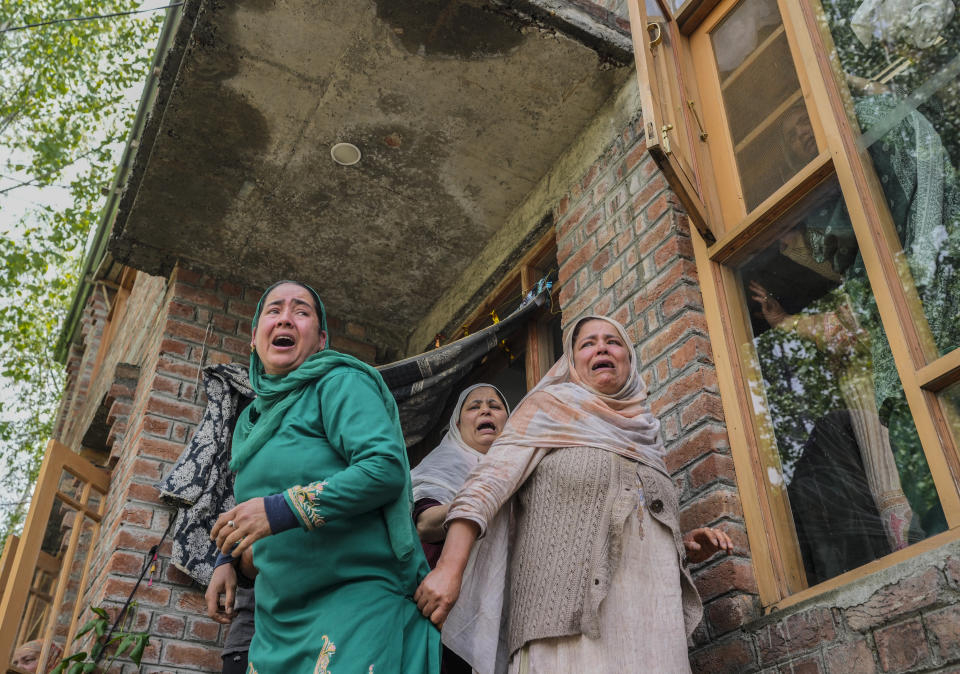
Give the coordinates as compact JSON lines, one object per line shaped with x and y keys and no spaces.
{"x":94,"y":17}
{"x":507,"y":306}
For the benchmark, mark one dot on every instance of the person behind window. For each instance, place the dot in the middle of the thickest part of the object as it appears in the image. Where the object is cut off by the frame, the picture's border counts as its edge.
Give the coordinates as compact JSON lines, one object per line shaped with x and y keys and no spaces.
{"x":477,"y":420}
{"x":323,"y":487}
{"x":597,"y":580}
{"x":27,"y":656}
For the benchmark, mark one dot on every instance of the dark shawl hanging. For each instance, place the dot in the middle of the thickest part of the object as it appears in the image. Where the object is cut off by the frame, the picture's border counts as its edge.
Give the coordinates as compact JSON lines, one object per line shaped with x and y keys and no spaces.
{"x":200,"y":483}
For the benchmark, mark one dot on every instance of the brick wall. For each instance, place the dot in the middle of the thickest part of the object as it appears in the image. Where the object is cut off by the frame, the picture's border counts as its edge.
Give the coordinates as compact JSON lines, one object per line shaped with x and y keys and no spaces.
{"x":624,"y":250}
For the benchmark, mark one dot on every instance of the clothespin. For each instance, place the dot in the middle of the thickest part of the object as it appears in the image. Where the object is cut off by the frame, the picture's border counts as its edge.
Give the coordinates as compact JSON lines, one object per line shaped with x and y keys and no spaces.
{"x":506,"y":350}
{"x":493,"y":315}
{"x":153,"y":568}
{"x":436,"y":340}
{"x":466,"y":329}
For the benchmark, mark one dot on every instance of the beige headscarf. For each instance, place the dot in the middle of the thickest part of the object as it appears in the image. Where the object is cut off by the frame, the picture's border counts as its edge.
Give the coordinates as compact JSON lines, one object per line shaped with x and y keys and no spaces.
{"x":562,"y":411}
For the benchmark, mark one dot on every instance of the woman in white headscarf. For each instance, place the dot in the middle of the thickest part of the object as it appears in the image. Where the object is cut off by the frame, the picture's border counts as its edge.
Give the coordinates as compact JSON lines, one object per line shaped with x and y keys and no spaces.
{"x":596,"y":577}
{"x":477,"y":420}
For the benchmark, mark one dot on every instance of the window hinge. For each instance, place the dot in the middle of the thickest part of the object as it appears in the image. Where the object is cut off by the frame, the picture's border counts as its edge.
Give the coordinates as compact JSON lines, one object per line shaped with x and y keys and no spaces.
{"x":703,"y":134}
{"x":666,"y":138}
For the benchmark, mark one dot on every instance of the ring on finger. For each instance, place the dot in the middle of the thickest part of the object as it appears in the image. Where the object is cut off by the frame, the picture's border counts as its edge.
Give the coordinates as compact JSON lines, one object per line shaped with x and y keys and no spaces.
{"x":232,"y":524}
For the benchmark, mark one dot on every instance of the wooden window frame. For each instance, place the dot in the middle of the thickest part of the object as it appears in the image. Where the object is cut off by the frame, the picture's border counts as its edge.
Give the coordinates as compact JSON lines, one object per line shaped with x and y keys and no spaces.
{"x":19,"y":563}
{"x":779,"y":572}
{"x":536,"y":263}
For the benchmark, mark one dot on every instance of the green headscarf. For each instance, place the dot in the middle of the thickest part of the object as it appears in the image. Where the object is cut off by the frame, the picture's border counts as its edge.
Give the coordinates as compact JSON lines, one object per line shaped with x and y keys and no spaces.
{"x":278,"y":393}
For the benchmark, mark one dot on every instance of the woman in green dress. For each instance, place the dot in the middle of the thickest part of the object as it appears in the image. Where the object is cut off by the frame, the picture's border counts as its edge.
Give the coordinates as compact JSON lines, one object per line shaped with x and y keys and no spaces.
{"x":323,"y":487}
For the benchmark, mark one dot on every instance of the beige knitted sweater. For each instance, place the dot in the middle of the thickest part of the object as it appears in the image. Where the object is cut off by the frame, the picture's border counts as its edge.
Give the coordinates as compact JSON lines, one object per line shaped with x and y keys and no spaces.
{"x":570,"y":511}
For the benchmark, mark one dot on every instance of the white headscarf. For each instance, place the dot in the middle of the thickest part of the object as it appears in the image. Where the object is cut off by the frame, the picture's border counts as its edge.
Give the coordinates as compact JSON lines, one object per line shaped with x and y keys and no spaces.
{"x":444,"y":470}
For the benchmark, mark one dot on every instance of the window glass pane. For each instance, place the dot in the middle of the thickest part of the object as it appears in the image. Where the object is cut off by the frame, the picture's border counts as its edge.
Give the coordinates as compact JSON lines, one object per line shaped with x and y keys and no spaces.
{"x":900,"y":62}
{"x":840,"y":444}
{"x":950,"y":399}
{"x":769,"y":127}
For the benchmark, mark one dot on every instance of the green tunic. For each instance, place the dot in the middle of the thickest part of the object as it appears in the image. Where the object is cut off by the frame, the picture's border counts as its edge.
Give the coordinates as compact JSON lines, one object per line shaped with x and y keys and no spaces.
{"x":332,"y":596}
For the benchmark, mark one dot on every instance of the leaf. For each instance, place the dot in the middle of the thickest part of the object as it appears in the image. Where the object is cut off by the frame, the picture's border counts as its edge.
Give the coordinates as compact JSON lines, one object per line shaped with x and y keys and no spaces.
{"x":137,"y":653}
{"x":89,"y":625}
{"x":100,"y":612}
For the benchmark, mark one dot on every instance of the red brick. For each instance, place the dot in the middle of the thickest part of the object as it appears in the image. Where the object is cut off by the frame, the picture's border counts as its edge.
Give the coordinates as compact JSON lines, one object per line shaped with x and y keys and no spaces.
{"x":125,"y":563}
{"x":657,"y":287}
{"x":156,"y":425}
{"x":241,"y":308}
{"x":240,"y":347}
{"x":175,"y":575}
{"x":617,"y":199}
{"x":572,"y":221}
{"x":363,"y":351}
{"x":684,"y":297}
{"x":164,"y":384}
{"x":905,"y":596}
{"x":562,"y":206}
{"x":579,"y":259}
{"x":798,"y":633}
{"x":191,"y":602}
{"x":902,"y":647}
{"x":694,"y":349}
{"x":190,"y":332}
{"x":137,"y":540}
{"x":119,"y":589}
{"x":194,"y":657}
{"x":702,"y":378}
{"x":168,"y":626}
{"x":852,"y":657}
{"x":733,"y":656}
{"x":148,"y":470}
{"x":943,"y":626}
{"x":203,"y":630}
{"x":195,"y":279}
{"x":605,"y":234}
{"x":705,"y":440}
{"x":582,"y":302}
{"x":676,"y":247}
{"x":590,"y":175}
{"x":180,"y":433}
{"x":657,"y":208}
{"x":181,"y":310}
{"x":731,"y":612}
{"x":673,"y":334}
{"x":633,"y":158}
{"x":704,"y":406}
{"x":176,"y":367}
{"x":137,"y":515}
{"x":175,"y":347}
{"x":142,"y":492}
{"x":160,"y":449}
{"x":172,"y":409}
{"x":593,"y":223}
{"x":711,"y":469}
{"x":718,"y":504}
{"x":231,"y":289}
{"x":652,"y":236}
{"x":204,"y":298}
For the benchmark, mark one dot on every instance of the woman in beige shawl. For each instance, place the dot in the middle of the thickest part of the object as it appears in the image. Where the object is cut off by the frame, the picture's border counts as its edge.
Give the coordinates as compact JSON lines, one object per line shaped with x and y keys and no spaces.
{"x":585,"y":569}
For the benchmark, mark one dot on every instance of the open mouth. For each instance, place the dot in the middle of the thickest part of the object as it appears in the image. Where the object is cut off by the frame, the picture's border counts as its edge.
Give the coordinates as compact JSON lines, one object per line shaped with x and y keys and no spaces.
{"x":487,"y":426}
{"x":283,"y":341}
{"x":602,"y":365}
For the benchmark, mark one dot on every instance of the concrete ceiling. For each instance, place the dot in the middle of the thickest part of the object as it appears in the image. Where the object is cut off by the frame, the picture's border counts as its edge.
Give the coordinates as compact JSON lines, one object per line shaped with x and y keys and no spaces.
{"x":459,"y":109}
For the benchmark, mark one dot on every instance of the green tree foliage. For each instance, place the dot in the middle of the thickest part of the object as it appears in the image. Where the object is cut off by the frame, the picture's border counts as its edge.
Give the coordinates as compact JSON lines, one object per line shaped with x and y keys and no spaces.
{"x":67,"y":97}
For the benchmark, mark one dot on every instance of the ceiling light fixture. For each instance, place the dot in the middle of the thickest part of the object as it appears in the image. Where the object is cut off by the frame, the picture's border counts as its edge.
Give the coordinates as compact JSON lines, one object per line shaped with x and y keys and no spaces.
{"x":345,"y":154}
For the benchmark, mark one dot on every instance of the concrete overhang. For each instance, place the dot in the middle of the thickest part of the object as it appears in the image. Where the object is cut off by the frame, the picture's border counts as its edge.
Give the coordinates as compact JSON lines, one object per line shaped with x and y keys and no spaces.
{"x":459,"y":108}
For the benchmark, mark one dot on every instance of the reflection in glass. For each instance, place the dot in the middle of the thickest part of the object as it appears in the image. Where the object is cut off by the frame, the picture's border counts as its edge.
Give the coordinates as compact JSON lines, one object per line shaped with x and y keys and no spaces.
{"x":901,"y":62}
{"x":769,"y":126}
{"x":950,"y":398}
{"x":855,"y":475}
